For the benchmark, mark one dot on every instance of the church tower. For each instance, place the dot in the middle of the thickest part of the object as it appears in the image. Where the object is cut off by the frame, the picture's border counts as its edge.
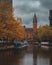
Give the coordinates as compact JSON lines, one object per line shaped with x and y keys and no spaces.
{"x":34,"y":23}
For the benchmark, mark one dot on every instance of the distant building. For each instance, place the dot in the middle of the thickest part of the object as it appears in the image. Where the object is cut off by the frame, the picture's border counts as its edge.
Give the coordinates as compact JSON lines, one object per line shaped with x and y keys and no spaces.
{"x":50,"y":17}
{"x":34,"y":23}
{"x":29,"y":31}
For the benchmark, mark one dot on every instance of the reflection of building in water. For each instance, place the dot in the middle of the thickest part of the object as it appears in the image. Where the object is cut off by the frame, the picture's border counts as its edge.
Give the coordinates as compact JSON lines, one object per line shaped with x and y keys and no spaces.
{"x":41,"y":57}
{"x":50,"y":56}
{"x":35,"y":56}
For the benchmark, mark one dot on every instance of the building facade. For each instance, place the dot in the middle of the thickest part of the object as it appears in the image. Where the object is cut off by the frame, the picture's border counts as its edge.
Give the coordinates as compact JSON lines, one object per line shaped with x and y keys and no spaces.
{"x":29,"y":33}
{"x":50,"y":17}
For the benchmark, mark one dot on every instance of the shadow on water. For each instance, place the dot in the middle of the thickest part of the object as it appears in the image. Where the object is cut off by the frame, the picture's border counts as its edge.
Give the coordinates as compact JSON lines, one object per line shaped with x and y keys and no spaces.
{"x":42,"y":56}
{"x":35,"y":50}
{"x":21,"y":57}
{"x":11,"y":57}
{"x":50,"y":56}
{"x":38,"y":56}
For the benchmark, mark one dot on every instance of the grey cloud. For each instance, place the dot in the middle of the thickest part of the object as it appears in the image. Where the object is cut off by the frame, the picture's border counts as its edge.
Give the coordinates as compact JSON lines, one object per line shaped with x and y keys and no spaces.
{"x":46,"y":3}
{"x":24,"y":9}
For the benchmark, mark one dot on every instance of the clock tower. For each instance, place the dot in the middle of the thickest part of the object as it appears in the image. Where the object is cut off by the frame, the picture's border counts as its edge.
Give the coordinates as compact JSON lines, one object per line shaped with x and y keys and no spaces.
{"x":34,"y":23}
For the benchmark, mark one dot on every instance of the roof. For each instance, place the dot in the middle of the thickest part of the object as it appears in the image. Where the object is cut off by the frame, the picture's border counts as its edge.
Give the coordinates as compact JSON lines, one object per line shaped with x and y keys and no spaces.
{"x":29,"y":29}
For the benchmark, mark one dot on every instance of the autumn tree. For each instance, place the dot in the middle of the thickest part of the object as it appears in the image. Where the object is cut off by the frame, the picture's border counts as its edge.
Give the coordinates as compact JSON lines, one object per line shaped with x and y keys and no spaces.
{"x":43,"y":33}
{"x":9,"y":27}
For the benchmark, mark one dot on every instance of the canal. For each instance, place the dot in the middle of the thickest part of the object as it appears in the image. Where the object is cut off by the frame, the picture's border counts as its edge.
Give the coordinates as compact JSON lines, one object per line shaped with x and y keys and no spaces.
{"x":35,"y":56}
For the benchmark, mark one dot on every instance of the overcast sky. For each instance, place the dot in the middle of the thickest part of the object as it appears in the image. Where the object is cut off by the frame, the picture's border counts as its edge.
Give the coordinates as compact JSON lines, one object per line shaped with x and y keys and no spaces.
{"x":27,"y":8}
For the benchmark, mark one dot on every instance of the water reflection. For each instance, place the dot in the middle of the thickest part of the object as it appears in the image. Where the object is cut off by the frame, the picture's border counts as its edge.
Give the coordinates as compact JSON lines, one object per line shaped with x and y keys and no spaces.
{"x":22,"y":57}
{"x":42,"y":56}
{"x":37,"y":56}
{"x":50,"y":56}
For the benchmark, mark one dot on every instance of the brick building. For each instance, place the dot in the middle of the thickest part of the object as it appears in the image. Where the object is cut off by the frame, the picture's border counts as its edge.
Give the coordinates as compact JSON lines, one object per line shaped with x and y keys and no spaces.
{"x":29,"y":31}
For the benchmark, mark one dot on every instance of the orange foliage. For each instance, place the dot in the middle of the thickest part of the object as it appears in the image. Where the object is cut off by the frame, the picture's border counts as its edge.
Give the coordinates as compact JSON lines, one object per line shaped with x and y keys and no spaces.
{"x":9,"y":27}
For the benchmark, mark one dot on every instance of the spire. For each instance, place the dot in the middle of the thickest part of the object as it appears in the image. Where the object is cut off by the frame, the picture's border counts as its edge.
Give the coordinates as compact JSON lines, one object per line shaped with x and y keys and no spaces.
{"x":34,"y":18}
{"x":34,"y":22}
{"x":34,"y":15}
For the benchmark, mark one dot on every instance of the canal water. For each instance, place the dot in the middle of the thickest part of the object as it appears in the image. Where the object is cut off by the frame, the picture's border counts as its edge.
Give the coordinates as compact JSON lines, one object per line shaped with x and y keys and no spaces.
{"x":35,"y":56}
